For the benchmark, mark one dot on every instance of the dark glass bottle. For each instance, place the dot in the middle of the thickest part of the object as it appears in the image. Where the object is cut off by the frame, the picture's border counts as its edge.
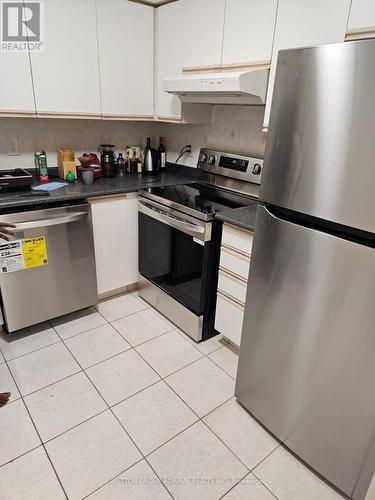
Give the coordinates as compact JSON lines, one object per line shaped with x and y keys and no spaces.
{"x":162,"y":154}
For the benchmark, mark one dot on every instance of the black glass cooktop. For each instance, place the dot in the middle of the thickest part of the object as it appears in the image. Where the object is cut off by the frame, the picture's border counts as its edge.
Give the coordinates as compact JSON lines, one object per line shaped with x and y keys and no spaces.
{"x":200,"y":198}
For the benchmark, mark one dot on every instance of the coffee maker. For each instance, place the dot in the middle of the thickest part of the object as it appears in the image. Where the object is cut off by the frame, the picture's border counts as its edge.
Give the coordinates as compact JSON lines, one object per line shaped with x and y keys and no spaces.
{"x":107,"y":160}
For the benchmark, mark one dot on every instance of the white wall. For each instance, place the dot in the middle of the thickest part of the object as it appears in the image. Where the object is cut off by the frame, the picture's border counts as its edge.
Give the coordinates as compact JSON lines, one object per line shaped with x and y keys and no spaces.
{"x":234,"y":129}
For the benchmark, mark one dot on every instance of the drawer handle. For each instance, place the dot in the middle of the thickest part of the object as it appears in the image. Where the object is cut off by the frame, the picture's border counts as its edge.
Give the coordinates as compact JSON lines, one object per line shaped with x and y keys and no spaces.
{"x":233,"y":276}
{"x":229,"y":298}
{"x":235,"y":251}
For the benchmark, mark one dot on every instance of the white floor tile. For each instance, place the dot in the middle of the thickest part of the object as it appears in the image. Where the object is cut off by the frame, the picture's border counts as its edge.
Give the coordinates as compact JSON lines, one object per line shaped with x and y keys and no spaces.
{"x":137,"y":483}
{"x":7,"y":383}
{"x":119,"y":307}
{"x":77,"y":322}
{"x":142,"y":301}
{"x":2,"y":360}
{"x":27,"y":340}
{"x":18,"y":434}
{"x":141,"y":326}
{"x":196,"y":465}
{"x":202,"y":385}
{"x":227,"y":358}
{"x":154,"y":416}
{"x":40,"y":368}
{"x":121,"y":376}
{"x":205,"y":346}
{"x":30,"y":476}
{"x":212,"y":344}
{"x":168,"y":353}
{"x":61,"y":406}
{"x":288,"y":478}
{"x":250,"y":488}
{"x":239,"y":431}
{"x":96,"y":345}
{"x":91,"y":454}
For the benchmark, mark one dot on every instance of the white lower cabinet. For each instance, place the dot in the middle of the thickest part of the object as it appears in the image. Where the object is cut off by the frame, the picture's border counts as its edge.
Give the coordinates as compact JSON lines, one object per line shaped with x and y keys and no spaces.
{"x":235,"y":254}
{"x":115,"y":230}
{"x":229,"y":319}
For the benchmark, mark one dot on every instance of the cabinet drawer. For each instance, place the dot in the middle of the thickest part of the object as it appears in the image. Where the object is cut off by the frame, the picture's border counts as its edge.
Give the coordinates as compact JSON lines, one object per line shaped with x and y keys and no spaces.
{"x":229,"y":318}
{"x":237,"y":239}
{"x":234,"y":262}
{"x":232,"y":286}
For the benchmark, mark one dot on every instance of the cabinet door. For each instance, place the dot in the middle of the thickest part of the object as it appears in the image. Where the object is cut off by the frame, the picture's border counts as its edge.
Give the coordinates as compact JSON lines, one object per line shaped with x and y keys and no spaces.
{"x":66,"y":73}
{"x":168,"y":20}
{"x":248,"y":31}
{"x":115,"y":228}
{"x":126,"y":46}
{"x":16,"y":88}
{"x":362,"y":16}
{"x":303,"y":23}
{"x":131,"y":257}
{"x":203,"y":26}
{"x":110,"y":239}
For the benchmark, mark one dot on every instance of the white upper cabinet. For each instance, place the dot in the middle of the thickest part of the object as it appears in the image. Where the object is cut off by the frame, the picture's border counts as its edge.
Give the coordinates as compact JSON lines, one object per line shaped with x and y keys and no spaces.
{"x":203,"y":26}
{"x":362,"y":16}
{"x":126,"y":54}
{"x":168,"y":62}
{"x":302,"y":23}
{"x":248,"y":31}
{"x":16,"y":88}
{"x":66,"y":73}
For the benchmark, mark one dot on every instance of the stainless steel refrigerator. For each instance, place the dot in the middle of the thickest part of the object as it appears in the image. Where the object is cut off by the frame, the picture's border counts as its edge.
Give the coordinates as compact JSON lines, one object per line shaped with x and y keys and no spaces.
{"x":307,"y":358}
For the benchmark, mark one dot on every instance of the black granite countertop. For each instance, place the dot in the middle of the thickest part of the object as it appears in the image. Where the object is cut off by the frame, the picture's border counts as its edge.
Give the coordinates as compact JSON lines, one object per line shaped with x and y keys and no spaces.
{"x":101,"y":187}
{"x":242,"y":217}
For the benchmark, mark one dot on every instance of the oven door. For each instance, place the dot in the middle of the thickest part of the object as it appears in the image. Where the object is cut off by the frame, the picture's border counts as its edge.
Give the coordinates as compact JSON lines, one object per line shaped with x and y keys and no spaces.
{"x":173,"y":251}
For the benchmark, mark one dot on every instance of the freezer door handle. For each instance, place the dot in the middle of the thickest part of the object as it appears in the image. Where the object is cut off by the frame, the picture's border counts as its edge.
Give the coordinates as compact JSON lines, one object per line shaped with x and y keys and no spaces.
{"x":54,"y":221}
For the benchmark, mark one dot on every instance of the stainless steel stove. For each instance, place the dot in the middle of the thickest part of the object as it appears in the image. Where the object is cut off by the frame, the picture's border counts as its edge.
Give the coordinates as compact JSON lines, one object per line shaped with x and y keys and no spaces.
{"x":179,"y":238}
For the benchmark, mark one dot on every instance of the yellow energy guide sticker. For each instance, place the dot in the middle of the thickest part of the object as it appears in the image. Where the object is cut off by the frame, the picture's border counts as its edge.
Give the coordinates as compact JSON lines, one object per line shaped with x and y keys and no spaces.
{"x":34,"y":251}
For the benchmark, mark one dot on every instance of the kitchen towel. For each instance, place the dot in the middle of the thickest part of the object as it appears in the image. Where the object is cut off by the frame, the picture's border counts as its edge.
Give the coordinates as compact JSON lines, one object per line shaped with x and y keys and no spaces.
{"x":49,"y":186}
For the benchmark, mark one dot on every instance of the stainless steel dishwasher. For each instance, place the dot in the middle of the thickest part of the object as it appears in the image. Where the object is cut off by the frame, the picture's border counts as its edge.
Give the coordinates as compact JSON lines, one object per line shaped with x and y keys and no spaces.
{"x":62,"y":280}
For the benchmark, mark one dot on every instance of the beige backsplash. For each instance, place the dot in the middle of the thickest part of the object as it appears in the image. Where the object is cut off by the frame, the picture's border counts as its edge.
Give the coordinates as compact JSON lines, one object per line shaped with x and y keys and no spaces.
{"x":235,"y":129}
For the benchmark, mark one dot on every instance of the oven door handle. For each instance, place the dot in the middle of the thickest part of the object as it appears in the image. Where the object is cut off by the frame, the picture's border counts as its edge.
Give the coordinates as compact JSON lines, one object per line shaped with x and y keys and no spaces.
{"x":202,"y":233}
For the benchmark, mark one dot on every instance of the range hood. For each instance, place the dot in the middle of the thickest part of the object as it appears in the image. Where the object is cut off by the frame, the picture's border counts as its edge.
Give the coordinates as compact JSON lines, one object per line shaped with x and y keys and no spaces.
{"x":245,"y":87}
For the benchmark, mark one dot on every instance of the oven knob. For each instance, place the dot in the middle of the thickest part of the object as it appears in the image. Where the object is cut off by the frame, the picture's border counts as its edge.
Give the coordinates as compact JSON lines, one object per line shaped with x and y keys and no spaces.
{"x":257,"y":168}
{"x":211,"y":160}
{"x":203,"y":158}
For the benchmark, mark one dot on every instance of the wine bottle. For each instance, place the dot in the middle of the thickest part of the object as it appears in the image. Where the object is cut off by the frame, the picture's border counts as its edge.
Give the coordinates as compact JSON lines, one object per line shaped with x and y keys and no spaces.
{"x":162,"y":154}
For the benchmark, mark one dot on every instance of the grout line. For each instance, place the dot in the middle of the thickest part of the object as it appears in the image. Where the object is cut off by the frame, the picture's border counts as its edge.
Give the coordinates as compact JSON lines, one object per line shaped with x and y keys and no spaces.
{"x":37,"y":432}
{"x":234,"y":378}
{"x":112,"y":479}
{"x":22,"y":455}
{"x":264,"y":458}
{"x":234,"y":486}
{"x":115,"y":416}
{"x":110,"y":408}
{"x":48,"y":385}
{"x":141,"y":343}
{"x":47,"y":441}
{"x":263,"y":484}
{"x":103,"y":360}
{"x":34,"y":350}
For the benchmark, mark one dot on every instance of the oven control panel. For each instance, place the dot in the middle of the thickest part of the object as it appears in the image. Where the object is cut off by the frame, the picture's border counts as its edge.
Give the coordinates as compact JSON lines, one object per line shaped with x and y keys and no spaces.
{"x":245,"y":168}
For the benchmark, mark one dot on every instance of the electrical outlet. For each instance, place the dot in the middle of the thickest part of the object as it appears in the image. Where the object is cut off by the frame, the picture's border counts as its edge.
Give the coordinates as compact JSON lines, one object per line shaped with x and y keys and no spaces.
{"x":13,"y":147}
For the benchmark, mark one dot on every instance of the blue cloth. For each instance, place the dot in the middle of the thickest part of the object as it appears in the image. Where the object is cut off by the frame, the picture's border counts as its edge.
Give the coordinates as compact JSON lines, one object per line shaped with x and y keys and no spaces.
{"x":49,"y":186}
